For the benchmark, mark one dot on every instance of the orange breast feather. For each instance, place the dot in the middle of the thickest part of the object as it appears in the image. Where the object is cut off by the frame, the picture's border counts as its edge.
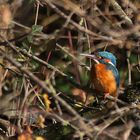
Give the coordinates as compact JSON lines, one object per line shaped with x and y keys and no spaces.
{"x":103,"y":79}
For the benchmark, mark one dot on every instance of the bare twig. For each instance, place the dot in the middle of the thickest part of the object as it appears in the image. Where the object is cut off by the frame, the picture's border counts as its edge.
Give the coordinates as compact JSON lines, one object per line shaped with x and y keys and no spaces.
{"x":129,"y":67}
{"x":72,"y":56}
{"x":48,"y":90}
{"x":80,"y":27}
{"x":120,"y":12}
{"x":37,"y":10}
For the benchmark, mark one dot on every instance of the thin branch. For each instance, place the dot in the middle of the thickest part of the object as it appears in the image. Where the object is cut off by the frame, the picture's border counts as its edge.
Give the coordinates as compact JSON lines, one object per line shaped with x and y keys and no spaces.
{"x":48,"y":90}
{"x":82,"y":29}
{"x":129,"y":67}
{"x":37,"y":11}
{"x":70,"y":79}
{"x":72,"y":56}
{"x":120,"y":12}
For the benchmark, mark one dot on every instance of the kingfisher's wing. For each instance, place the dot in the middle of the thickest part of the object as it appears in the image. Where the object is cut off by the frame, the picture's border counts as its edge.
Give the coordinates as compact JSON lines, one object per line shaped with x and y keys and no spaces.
{"x":116,"y":73}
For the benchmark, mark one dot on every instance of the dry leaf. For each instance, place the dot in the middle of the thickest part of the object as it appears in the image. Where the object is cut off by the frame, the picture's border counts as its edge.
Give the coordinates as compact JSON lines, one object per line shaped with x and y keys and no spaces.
{"x":41,"y":121}
{"x":79,"y":94}
{"x":47,"y":102}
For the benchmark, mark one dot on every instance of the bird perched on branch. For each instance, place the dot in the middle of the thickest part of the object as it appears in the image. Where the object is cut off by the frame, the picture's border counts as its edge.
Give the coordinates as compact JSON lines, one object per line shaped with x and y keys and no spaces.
{"x":104,"y":74}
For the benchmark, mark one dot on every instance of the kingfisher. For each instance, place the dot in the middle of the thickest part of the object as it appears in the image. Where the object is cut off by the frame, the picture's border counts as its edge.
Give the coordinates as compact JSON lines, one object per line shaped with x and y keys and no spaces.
{"x":104,"y":75}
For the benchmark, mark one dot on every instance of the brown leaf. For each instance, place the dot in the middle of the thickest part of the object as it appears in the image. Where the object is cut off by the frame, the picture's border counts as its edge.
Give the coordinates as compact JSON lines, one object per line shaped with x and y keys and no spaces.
{"x":79,"y":94}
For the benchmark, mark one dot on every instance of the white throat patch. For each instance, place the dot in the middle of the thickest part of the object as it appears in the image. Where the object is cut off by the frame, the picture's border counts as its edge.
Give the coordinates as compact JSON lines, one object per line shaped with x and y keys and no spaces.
{"x":111,"y":64}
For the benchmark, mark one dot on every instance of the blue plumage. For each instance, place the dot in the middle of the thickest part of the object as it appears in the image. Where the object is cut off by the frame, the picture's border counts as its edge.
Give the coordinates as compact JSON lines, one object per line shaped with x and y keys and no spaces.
{"x":104,"y":74}
{"x":109,"y":56}
{"x":115,"y":72}
{"x":112,"y":58}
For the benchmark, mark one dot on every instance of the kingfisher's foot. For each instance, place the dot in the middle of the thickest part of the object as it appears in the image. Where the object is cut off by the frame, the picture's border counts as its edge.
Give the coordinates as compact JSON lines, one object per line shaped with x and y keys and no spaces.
{"x":106,"y":94}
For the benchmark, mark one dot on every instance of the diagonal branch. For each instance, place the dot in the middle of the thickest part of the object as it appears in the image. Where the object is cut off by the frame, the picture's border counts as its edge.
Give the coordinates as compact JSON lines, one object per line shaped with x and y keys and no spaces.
{"x":43,"y":85}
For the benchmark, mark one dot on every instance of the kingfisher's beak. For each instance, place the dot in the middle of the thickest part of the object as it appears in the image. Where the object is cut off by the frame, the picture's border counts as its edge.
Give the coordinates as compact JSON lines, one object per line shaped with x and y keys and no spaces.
{"x":91,"y":56}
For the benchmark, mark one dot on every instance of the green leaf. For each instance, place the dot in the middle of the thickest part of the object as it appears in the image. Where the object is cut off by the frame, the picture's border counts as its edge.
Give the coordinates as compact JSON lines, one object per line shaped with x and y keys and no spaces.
{"x":37,"y":29}
{"x":30,"y":38}
{"x":34,"y":65}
